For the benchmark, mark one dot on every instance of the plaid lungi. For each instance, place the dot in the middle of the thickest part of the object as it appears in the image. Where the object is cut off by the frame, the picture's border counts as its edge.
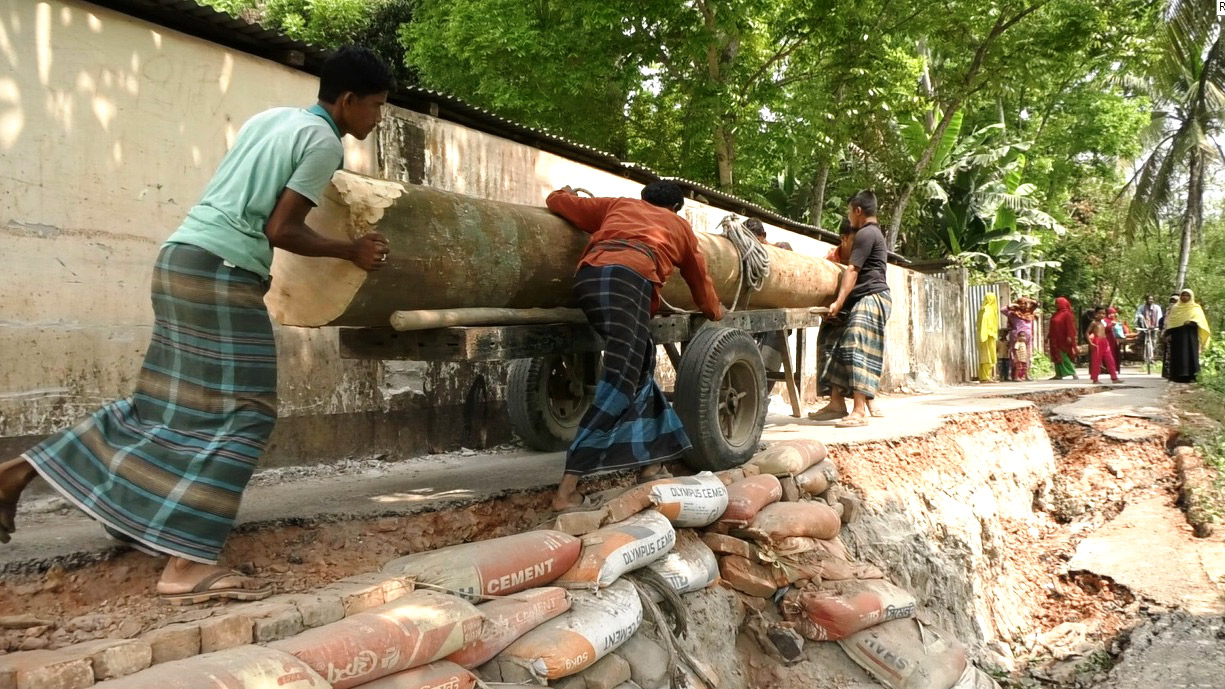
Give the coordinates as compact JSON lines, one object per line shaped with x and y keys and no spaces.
{"x":856,"y":347}
{"x":629,"y":423}
{"x":165,"y":468}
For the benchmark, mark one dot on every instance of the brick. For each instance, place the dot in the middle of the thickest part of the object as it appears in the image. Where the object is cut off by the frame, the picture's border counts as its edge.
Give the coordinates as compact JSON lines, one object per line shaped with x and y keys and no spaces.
{"x":791,"y":491}
{"x":45,"y":670}
{"x":112,"y":658}
{"x":581,"y":523}
{"x":316,"y":609}
{"x":272,"y":621}
{"x":747,"y":577}
{"x":629,"y":503}
{"x":364,"y":591}
{"x":648,"y":661}
{"x":608,"y":672}
{"x":174,"y":642}
{"x":225,"y":631}
{"x":730,"y":476}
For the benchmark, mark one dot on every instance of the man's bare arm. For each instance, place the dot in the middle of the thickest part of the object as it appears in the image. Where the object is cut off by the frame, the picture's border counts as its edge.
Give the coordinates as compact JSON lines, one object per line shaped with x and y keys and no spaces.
{"x":287,"y":230}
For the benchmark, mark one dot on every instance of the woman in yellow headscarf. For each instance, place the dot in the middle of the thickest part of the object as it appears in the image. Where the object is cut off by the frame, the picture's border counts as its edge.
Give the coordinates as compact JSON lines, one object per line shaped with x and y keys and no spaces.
{"x":988,"y":333}
{"x":1186,"y":335}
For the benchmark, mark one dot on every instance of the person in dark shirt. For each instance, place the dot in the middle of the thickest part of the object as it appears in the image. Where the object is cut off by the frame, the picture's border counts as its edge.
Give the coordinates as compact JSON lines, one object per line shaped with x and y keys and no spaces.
{"x":857,"y":320}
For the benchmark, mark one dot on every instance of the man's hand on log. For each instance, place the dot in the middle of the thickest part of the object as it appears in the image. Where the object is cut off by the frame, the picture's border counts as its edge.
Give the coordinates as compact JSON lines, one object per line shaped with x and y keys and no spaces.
{"x":370,"y":251}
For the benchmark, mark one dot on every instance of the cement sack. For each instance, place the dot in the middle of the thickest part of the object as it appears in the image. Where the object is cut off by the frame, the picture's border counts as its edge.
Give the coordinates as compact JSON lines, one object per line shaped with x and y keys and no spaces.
{"x":619,"y":548}
{"x":691,"y":566}
{"x":903,"y":655}
{"x":417,"y":629}
{"x":439,"y":675}
{"x":690,"y":501}
{"x":789,"y":457}
{"x":799,"y":544}
{"x":818,"y":566}
{"x":595,"y":626}
{"x":835,"y":612}
{"x":244,"y":667}
{"x":817,"y":479}
{"x":973,"y":678}
{"x":787,"y":519}
{"x":494,"y":567}
{"x":729,"y":545}
{"x":507,"y":619}
{"x":747,"y":497}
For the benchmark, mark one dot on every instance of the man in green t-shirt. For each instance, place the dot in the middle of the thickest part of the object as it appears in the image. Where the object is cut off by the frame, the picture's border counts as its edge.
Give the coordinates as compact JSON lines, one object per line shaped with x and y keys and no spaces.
{"x":164,"y":470}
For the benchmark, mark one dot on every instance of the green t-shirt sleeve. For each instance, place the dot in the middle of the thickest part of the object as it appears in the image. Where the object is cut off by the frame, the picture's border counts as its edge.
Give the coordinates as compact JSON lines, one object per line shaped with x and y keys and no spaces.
{"x":313,"y":173}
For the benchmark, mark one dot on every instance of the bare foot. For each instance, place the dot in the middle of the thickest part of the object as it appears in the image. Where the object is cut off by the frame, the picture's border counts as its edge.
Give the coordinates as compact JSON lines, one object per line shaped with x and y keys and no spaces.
{"x":561,"y":503}
{"x":15,"y":475}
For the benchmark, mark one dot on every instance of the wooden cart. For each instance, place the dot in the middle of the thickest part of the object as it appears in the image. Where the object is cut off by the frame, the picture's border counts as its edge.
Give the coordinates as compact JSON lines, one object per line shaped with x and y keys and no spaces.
{"x":721,"y":385}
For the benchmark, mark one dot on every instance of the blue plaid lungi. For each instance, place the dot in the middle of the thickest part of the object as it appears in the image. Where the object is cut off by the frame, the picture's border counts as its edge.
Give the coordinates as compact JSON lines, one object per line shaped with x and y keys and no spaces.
{"x":853,"y":348}
{"x":165,"y":468}
{"x":630,"y":423}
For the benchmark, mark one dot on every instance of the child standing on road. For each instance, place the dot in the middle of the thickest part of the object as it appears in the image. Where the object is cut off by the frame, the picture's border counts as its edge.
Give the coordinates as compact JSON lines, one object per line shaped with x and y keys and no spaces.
{"x":1099,"y":348}
{"x":1004,"y":353}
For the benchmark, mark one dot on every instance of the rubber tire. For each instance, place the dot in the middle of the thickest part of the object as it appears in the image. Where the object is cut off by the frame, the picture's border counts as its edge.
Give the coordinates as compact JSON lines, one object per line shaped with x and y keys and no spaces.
{"x":706,"y":360}
{"x":527,"y":408}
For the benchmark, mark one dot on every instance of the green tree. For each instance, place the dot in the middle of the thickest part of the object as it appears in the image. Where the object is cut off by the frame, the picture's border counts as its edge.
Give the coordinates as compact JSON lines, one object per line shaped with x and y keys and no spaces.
{"x":1187,"y":82}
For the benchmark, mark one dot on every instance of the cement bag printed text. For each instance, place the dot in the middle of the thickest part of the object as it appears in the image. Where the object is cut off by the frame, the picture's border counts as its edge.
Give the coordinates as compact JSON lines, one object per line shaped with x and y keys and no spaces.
{"x":494,"y":567}
{"x":595,"y":626}
{"x":419,"y":628}
{"x":901,"y":655}
{"x":619,"y":548}
{"x":835,"y":612}
{"x":507,"y":619}
{"x":691,"y":501}
{"x":439,"y":675}
{"x":691,"y":566}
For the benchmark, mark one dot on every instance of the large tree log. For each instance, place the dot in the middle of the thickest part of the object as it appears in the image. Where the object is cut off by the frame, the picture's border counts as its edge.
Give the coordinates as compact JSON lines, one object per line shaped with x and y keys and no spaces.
{"x":452,"y":251}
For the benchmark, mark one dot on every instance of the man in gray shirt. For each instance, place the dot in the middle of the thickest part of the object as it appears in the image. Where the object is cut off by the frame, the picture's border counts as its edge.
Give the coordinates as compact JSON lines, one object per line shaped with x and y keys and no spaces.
{"x":857,"y":320}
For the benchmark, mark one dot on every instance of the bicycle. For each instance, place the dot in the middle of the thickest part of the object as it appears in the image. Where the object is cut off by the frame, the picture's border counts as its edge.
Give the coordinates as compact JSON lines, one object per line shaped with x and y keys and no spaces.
{"x":1150,"y":348}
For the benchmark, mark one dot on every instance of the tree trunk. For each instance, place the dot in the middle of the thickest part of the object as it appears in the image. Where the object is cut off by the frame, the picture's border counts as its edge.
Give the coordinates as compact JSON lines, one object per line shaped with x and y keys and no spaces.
{"x":1195,"y":191}
{"x":925,"y":82}
{"x":903,"y":199}
{"x":818,"y":189}
{"x":725,"y":154}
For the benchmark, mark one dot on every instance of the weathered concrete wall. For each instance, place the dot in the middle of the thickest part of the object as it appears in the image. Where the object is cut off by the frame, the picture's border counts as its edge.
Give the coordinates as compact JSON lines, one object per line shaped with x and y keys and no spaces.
{"x":110,"y":128}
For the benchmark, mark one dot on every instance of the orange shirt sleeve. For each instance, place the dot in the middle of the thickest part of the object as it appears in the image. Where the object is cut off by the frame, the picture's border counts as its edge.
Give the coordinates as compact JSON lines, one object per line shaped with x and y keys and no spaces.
{"x":693,"y":270}
{"x":587,"y":214}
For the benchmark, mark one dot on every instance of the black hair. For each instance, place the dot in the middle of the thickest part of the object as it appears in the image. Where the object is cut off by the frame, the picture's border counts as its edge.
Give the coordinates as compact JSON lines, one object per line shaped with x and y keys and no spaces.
{"x":664,"y":194}
{"x":354,"y":69}
{"x":1098,"y":308}
{"x":865,"y":201}
{"x":754,"y":225}
{"x":845,"y":228}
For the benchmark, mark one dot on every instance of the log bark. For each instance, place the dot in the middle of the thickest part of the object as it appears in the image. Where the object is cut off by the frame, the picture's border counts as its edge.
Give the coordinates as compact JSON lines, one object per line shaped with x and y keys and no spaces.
{"x":450,"y":251}
{"x":446,"y":318}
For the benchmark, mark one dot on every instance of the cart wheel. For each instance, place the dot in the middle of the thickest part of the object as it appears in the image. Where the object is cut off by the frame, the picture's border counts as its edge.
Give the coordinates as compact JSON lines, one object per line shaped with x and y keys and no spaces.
{"x":547,"y":397}
{"x":720,"y":398}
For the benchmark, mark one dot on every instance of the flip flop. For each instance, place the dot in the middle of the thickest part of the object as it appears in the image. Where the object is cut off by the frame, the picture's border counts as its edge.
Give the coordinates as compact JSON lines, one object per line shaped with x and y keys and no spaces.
{"x":828,"y":415}
{"x":851,"y":423}
{"x":590,"y":503}
{"x":203,"y":592}
{"x":877,"y":414}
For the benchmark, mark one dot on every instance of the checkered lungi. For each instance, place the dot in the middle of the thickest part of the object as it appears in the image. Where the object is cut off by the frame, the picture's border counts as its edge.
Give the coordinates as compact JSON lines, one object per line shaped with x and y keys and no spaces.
{"x":855,"y":354}
{"x":629,"y":423}
{"x":165,"y":468}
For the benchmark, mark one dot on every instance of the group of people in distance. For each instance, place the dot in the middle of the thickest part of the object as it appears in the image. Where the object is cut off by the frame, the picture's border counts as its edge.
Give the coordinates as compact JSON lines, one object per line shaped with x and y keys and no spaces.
{"x":1005,"y":353}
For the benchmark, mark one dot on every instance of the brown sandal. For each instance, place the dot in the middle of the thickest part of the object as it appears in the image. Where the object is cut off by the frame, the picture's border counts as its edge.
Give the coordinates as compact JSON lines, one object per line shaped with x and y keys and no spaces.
{"x":852,"y":423}
{"x":203,"y":592}
{"x":827,"y":415}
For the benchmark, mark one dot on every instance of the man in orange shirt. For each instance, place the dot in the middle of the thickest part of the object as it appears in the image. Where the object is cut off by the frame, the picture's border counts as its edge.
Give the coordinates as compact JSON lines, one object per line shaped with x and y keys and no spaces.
{"x":635,"y":245}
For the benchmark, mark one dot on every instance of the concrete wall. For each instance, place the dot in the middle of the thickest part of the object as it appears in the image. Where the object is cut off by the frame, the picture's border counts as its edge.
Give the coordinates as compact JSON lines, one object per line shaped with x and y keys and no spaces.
{"x":110,"y":128}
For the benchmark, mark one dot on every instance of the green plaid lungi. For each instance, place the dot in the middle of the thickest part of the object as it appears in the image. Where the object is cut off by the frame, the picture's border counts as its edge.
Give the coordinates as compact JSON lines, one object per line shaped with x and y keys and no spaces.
{"x":165,"y":468}
{"x":855,"y":357}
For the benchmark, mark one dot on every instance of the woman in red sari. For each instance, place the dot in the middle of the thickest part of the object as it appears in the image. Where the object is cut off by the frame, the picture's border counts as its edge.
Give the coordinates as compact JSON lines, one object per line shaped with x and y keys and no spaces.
{"x":1062,"y":338}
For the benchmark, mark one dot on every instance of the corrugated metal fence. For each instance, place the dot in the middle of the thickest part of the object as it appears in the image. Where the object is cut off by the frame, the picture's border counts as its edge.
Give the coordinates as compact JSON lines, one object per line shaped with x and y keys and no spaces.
{"x":974,"y":301}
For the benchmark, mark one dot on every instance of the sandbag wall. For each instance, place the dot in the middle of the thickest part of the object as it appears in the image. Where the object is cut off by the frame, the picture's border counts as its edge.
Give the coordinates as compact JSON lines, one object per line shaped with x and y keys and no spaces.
{"x":580,"y":606}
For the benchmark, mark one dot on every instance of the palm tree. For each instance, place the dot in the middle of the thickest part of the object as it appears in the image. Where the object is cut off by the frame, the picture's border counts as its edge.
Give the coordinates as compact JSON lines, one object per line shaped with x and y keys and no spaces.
{"x":1187,"y":86}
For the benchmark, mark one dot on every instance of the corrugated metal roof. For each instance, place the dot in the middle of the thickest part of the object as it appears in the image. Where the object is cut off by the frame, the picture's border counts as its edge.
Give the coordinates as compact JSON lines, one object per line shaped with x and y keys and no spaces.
{"x":214,"y":25}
